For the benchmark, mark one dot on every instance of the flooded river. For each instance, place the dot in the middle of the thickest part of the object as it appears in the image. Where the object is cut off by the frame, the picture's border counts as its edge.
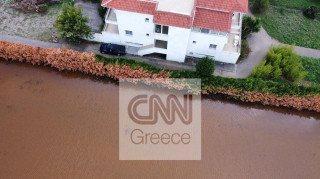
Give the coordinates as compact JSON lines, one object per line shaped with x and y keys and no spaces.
{"x":65,"y":125}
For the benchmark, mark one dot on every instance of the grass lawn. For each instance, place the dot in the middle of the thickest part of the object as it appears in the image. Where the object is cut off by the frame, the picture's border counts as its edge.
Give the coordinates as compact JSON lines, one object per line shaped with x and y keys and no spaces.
{"x":312,"y":66}
{"x":295,"y":4}
{"x":291,"y":27}
{"x":284,"y":21}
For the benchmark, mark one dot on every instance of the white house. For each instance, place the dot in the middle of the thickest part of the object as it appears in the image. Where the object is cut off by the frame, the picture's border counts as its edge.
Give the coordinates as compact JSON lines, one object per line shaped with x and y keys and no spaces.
{"x":176,"y":28}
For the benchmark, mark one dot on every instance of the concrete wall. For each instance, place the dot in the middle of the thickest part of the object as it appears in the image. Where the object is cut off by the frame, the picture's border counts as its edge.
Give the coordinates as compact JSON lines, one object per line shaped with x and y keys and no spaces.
{"x":177,"y":43}
{"x":136,"y":23}
{"x":203,"y":41}
{"x":107,"y":38}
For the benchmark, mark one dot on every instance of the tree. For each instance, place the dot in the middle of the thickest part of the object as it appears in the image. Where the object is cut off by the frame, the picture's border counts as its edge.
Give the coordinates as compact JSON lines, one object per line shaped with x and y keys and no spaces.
{"x":260,"y":6}
{"x":205,"y":67}
{"x":280,"y":61}
{"x":249,"y":25}
{"x":72,"y":25}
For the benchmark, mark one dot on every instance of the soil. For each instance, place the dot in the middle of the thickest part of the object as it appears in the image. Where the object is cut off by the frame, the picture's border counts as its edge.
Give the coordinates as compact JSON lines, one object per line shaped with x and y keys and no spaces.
{"x":31,"y":25}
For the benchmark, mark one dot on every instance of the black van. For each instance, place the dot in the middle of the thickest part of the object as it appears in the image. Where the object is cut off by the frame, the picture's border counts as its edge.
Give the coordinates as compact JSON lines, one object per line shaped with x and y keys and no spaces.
{"x":113,"y":49}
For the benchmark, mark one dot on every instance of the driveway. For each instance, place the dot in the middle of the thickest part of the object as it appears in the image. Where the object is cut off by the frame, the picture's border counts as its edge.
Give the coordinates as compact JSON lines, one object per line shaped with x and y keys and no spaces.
{"x":90,"y":10}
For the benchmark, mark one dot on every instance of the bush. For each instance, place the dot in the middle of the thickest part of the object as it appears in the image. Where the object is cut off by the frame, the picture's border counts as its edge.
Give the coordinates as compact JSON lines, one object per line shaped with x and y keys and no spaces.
{"x":72,"y":25}
{"x":102,"y":12}
{"x":245,"y":50}
{"x":249,"y":25}
{"x":311,"y":12}
{"x":279,"y":62}
{"x":260,"y":6}
{"x":205,"y":67}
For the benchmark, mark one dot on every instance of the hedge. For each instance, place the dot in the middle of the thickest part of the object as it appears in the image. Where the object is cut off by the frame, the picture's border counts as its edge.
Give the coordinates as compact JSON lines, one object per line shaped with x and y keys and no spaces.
{"x":248,"y":84}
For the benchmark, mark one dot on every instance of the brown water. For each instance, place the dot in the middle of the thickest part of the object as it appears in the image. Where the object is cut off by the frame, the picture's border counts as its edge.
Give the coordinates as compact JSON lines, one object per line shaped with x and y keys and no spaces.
{"x":64,"y":125}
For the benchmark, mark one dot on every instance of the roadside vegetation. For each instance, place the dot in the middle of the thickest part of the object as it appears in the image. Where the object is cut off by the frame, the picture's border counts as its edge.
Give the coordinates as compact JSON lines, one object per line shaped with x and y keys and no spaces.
{"x":312,"y":67}
{"x":246,"y":90}
{"x":284,"y":20}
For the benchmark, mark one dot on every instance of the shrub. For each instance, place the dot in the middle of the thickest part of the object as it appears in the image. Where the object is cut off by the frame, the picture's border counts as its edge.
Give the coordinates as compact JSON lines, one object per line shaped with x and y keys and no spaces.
{"x":205,"y":67}
{"x":260,"y":6}
{"x":72,"y":25}
{"x":249,"y":25}
{"x":280,"y":61}
{"x":311,"y":12}
{"x":102,"y":12}
{"x":245,"y":50}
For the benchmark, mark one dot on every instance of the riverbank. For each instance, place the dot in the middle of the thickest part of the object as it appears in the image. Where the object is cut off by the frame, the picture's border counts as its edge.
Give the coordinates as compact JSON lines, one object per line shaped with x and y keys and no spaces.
{"x":246,"y":90}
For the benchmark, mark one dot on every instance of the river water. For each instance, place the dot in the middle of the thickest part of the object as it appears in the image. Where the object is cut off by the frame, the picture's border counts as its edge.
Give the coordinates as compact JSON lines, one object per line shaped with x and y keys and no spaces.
{"x":65,"y":125}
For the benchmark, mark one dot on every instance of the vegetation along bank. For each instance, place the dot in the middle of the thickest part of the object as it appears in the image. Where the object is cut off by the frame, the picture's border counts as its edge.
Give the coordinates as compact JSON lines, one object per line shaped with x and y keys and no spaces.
{"x":247,"y":90}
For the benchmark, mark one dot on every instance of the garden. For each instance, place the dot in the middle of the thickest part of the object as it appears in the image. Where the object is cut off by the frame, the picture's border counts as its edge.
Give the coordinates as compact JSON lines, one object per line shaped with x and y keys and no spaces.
{"x":284,"y":20}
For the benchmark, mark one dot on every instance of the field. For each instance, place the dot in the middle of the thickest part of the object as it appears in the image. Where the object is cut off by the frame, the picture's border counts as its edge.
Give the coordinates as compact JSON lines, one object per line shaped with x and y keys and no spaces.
{"x":284,"y":21}
{"x":312,"y":66}
{"x":33,"y":25}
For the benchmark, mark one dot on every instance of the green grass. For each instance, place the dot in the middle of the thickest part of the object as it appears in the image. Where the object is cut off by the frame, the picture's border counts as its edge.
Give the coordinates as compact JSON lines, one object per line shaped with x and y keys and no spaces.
{"x":312,"y":66}
{"x":295,"y":4}
{"x":291,"y":27}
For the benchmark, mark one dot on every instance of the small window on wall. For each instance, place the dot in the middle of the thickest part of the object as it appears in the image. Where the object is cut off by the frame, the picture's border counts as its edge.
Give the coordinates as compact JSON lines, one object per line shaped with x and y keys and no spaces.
{"x":128,"y":32}
{"x":147,"y":35}
{"x":213,"y":46}
{"x":205,"y":31}
{"x":194,"y":42}
{"x":147,"y":19}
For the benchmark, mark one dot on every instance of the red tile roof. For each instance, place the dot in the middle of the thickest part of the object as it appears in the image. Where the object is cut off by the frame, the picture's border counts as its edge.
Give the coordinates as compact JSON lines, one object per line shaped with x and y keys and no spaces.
{"x":131,"y":5}
{"x":213,"y":20}
{"x":225,"y":5}
{"x":209,"y":15}
{"x":172,"y":19}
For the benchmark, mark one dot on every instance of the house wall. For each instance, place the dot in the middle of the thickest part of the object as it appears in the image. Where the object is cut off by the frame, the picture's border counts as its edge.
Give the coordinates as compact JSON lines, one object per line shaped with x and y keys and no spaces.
{"x":203,"y":41}
{"x":177,"y":43}
{"x":136,"y":23}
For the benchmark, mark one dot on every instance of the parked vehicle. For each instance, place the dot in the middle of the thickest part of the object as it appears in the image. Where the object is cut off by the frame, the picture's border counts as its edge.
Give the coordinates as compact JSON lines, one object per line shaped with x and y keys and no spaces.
{"x":113,"y":49}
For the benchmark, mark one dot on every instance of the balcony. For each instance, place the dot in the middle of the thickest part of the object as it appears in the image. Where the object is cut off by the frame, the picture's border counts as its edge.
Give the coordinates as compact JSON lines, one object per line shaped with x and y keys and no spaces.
{"x":233,"y":44}
{"x":111,"y":17}
{"x":111,"y":28}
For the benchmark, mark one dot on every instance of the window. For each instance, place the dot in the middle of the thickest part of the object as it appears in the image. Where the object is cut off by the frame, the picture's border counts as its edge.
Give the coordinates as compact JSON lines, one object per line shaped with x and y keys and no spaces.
{"x":213,"y":46}
{"x":194,"y":42}
{"x":161,"y":44}
{"x":161,"y":29}
{"x":128,"y":32}
{"x":147,"y":19}
{"x":147,"y":34}
{"x":205,"y":31}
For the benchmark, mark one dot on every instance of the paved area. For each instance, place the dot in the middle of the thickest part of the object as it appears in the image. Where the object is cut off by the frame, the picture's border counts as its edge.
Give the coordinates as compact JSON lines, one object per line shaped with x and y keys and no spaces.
{"x":94,"y":48}
{"x":260,"y":44}
{"x":90,"y":10}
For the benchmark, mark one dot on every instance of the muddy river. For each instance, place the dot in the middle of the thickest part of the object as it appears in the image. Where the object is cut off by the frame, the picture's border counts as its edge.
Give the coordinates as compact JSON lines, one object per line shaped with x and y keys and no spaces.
{"x":65,"y":125}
